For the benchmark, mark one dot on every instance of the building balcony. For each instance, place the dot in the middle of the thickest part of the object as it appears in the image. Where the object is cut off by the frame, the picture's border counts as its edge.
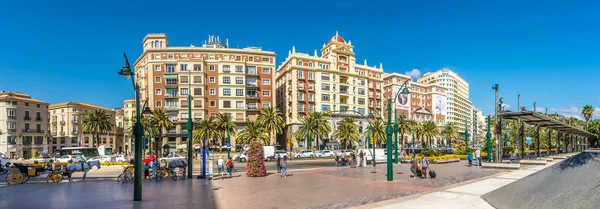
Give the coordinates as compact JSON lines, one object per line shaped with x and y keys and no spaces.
{"x":171,"y":107}
{"x":74,"y":132}
{"x":172,"y":95}
{"x":300,"y":86}
{"x":173,"y":119}
{"x":62,"y":133}
{"x":53,"y":123}
{"x":13,"y":117}
{"x":301,"y":110}
{"x":251,"y":72}
{"x":39,"y":131}
{"x":38,"y":118}
{"x":26,"y":130}
{"x":74,"y":121}
{"x":311,"y":78}
{"x":311,"y":88}
{"x":12,"y":130}
{"x":343,"y":91}
{"x":62,"y":122}
{"x":251,"y":85}
{"x":252,"y":96}
{"x":26,"y":118}
{"x":252,"y":108}
{"x":171,"y":85}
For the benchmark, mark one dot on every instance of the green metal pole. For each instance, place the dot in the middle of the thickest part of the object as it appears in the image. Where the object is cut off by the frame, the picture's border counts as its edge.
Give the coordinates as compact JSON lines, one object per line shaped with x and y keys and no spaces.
{"x":137,"y":167}
{"x":93,"y":135}
{"x":190,"y":128}
{"x":413,"y":143}
{"x":395,"y":136}
{"x":307,"y":129}
{"x":466,"y":135}
{"x":489,"y":143}
{"x":388,"y":131}
{"x":228,"y":142}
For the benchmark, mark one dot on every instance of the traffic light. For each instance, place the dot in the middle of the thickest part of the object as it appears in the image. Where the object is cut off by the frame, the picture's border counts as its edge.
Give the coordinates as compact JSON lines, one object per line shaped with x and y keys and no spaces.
{"x":329,"y":111}
{"x":360,"y":129}
{"x":372,"y":141}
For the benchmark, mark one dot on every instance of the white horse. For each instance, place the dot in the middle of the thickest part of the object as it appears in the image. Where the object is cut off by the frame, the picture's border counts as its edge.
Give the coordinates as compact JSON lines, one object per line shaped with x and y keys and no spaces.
{"x":81,"y":166}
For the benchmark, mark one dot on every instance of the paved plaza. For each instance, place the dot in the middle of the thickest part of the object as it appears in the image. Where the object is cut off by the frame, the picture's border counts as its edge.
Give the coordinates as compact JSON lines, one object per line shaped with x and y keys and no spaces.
{"x":328,"y":187}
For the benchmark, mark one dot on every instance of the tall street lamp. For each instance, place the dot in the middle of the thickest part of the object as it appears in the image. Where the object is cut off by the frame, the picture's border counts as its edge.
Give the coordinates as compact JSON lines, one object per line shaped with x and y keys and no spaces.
{"x":401,"y":90}
{"x":127,"y":72}
{"x":489,"y":139}
{"x":189,"y":127}
{"x":466,"y":135}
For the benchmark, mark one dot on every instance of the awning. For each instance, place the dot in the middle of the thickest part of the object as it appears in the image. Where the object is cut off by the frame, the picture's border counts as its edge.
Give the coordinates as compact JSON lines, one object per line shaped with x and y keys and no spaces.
{"x":534,"y":118}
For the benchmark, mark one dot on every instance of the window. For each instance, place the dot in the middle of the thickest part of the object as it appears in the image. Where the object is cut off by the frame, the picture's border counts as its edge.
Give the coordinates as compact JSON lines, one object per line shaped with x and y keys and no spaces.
{"x":266,"y":59}
{"x":325,"y":77}
{"x":171,"y":81}
{"x":239,"y":105}
{"x":211,"y":68}
{"x":158,"y":103}
{"x":239,"y":92}
{"x":170,"y":56}
{"x":226,"y":104}
{"x":12,"y":112}
{"x":26,"y":103}
{"x":37,"y":105}
{"x":211,"y":56}
{"x":197,"y":67}
{"x":311,"y":107}
{"x":158,"y":91}
{"x":361,"y":110}
{"x":213,"y":103}
{"x":211,"y":91}
{"x":251,"y":70}
{"x":266,"y":93}
{"x":251,"y":59}
{"x":198,"y":103}
{"x":300,"y":74}
{"x":300,"y":96}
{"x":183,"y":79}
{"x":198,"y":91}
{"x":184,"y":103}
{"x":157,"y":68}
{"x":361,"y":91}
{"x":311,"y":97}
{"x":325,"y":86}
{"x":184,"y":91}
{"x":239,"y":80}
{"x":197,"y":79}
{"x":226,"y":80}
{"x":211,"y":79}
{"x":183,"y":67}
{"x":266,"y":70}
{"x":156,"y":56}
{"x":324,"y":108}
{"x":170,"y":68}
{"x":226,"y":92}
{"x":310,"y":64}
{"x":239,"y":69}
{"x":184,"y":56}
{"x":300,"y":107}
{"x":226,"y":68}
{"x":310,"y":76}
{"x":266,"y":104}
{"x":300,"y":63}
{"x":251,"y":82}
{"x":266,"y":81}
{"x":325,"y":97}
{"x":157,"y":79}
{"x":184,"y":115}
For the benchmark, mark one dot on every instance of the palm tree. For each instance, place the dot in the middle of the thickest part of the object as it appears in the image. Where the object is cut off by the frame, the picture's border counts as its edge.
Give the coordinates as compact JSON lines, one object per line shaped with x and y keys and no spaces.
{"x":404,"y":127}
{"x":347,"y":132}
{"x":205,"y":129}
{"x":588,"y":112}
{"x":253,"y":131}
{"x":305,"y":130}
{"x":224,"y":123}
{"x":417,"y":130}
{"x":319,"y":125}
{"x":377,"y":130}
{"x":270,"y":118}
{"x":450,"y":132}
{"x":97,"y":121}
{"x":160,"y":121}
{"x":430,"y":130}
{"x":149,"y":131}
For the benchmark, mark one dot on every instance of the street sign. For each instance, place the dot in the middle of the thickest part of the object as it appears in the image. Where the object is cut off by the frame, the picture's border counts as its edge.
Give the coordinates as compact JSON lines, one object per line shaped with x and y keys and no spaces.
{"x":45,"y":152}
{"x":228,"y":146}
{"x":528,"y":140}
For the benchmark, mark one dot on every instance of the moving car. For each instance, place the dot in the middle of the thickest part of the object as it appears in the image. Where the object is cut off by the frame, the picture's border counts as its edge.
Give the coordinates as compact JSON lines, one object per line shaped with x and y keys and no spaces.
{"x":281,"y":153}
{"x":269,"y":152}
{"x":42,"y":159}
{"x":325,"y":153}
{"x":170,"y":158}
{"x":67,"y":158}
{"x":304,"y":153}
{"x":120,"y":158}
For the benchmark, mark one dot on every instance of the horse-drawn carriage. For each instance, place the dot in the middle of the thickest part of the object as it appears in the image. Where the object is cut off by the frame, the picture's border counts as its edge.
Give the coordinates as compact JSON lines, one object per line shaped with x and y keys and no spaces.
{"x":57,"y":175}
{"x":22,"y":175}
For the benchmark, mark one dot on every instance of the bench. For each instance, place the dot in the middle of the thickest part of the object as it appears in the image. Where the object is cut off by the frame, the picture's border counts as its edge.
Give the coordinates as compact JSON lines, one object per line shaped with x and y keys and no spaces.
{"x":533,"y":162}
{"x":512,"y":166}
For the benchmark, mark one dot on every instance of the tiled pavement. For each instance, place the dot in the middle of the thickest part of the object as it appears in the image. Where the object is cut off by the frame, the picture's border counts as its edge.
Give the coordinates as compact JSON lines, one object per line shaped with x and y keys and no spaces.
{"x":321,"y":188}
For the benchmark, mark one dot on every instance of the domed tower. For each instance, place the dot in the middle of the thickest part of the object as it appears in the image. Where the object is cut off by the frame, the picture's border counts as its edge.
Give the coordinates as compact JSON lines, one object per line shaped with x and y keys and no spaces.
{"x":340,"y":53}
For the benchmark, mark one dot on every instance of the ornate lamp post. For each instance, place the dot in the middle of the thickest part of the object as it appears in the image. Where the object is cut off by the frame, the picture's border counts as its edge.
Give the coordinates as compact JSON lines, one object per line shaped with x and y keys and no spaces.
{"x":190,"y":128}
{"x":127,"y":72}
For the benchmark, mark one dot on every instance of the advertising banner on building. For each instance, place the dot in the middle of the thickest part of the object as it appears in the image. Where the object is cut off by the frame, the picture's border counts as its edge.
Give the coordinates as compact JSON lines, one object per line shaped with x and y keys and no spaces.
{"x":403,"y":100}
{"x":440,"y":104}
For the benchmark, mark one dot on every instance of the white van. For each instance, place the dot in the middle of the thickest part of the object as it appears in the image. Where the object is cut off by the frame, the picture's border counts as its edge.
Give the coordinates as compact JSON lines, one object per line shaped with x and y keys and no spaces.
{"x":269,"y":152}
{"x":380,"y":156}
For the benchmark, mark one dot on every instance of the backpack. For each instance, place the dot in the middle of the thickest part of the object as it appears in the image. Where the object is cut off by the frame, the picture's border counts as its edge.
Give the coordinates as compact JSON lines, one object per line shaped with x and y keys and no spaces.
{"x":432,"y":174}
{"x":230,"y":164}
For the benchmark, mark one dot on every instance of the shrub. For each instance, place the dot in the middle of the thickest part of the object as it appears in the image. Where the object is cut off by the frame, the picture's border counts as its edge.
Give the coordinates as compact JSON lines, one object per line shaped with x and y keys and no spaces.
{"x":35,"y":154}
{"x":256,"y":157}
{"x":36,"y":162}
{"x":51,"y":161}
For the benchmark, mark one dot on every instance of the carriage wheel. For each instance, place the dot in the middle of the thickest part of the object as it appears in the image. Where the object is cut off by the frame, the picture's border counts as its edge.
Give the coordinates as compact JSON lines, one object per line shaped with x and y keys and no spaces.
{"x":166,"y":173}
{"x":15,"y":177}
{"x":53,"y":177}
{"x":26,"y":178}
{"x":120,"y":178}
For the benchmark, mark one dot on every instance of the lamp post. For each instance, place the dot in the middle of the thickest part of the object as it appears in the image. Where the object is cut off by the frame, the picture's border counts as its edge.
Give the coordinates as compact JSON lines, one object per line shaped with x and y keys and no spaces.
{"x":466,"y":135}
{"x":127,"y":72}
{"x":307,"y":130}
{"x":489,"y":138}
{"x":401,"y":90}
{"x":190,"y":128}
{"x":369,"y":138}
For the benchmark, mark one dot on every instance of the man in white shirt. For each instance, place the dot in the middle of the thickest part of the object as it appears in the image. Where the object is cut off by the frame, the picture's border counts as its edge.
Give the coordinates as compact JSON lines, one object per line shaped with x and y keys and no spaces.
{"x":478,"y":157}
{"x":220,"y":166}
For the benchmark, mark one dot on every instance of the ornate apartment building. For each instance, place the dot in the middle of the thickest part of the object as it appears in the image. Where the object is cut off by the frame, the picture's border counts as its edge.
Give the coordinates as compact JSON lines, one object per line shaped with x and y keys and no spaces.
{"x":220,"y":80}
{"x":67,"y":127}
{"x":459,"y":107}
{"x":333,"y":80}
{"x":23,"y":125}
{"x":426,"y":102}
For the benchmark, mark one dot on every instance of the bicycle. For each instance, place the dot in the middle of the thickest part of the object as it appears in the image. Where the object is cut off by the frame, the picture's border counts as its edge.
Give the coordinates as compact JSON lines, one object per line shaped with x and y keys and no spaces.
{"x":126,"y":176}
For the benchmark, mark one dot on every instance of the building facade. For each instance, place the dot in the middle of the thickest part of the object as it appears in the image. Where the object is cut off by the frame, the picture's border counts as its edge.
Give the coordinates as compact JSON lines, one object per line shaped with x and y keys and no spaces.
{"x":426,"y":102}
{"x":23,"y":125}
{"x":128,"y":116}
{"x":332,"y":80}
{"x":459,"y":106}
{"x":220,"y":80}
{"x":67,"y":127}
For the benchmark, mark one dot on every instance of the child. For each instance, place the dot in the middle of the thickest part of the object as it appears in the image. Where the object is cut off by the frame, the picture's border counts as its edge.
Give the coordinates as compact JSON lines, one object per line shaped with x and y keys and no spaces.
{"x":470,"y":158}
{"x":146,"y":170}
{"x":229,"y":166}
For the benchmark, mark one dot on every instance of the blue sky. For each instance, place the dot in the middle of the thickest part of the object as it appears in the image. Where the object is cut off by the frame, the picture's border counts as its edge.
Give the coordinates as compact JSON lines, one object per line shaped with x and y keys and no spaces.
{"x":548,"y":52}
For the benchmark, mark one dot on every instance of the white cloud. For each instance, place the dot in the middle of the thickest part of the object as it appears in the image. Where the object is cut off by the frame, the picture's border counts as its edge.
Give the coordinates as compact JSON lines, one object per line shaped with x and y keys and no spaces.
{"x":506,"y":106}
{"x":414,"y":73}
{"x":574,"y":112}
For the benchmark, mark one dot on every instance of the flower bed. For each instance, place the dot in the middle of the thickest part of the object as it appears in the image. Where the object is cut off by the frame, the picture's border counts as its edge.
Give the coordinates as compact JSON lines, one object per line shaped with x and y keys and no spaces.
{"x":41,"y":165}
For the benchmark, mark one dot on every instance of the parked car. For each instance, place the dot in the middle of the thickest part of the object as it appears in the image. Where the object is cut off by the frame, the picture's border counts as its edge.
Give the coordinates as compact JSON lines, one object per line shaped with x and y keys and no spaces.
{"x":269,"y":152}
{"x":4,"y":160}
{"x":170,"y":158}
{"x":42,"y":158}
{"x":106,"y":159}
{"x":304,"y":153}
{"x":325,"y":153}
{"x":67,"y":158}
{"x":281,"y":153}
{"x":120,"y":158}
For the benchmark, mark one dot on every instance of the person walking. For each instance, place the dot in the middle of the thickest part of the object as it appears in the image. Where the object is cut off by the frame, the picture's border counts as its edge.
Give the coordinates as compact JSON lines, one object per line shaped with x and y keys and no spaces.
{"x":230,"y":167}
{"x":470,"y":158}
{"x":353,"y":161}
{"x":221,"y":166}
{"x":284,"y":167}
{"x":361,"y":155}
{"x":478,"y":157}
{"x":414,"y":165}
{"x":278,"y":163}
{"x":424,"y":165}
